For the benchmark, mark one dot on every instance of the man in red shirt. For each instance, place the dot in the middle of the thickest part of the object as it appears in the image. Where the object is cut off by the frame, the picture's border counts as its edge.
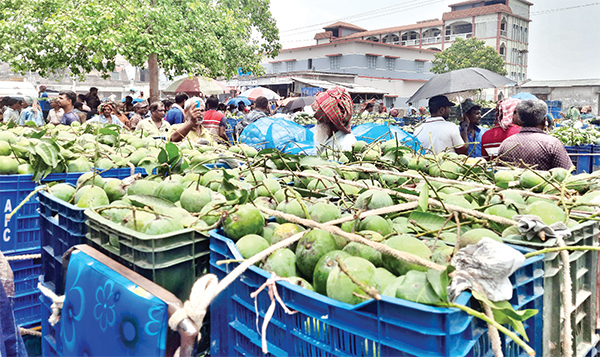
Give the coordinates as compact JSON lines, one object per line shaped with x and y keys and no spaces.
{"x":214,"y":121}
{"x":506,"y":124}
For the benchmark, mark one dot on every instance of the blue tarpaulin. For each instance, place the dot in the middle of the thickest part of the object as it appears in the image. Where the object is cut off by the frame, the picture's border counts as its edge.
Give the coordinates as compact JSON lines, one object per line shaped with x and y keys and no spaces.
{"x":275,"y":133}
{"x":370,"y":132}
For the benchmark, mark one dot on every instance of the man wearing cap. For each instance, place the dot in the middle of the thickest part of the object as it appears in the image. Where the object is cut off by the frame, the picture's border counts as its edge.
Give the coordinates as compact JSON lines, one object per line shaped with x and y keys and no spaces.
{"x":333,"y":111}
{"x":141,"y":110}
{"x":44,"y":102}
{"x":435,"y":133}
{"x":469,"y":127}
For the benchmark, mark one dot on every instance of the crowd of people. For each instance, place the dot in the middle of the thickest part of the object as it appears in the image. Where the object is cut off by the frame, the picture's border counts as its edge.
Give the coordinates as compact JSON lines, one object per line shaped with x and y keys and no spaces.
{"x":519,"y":135}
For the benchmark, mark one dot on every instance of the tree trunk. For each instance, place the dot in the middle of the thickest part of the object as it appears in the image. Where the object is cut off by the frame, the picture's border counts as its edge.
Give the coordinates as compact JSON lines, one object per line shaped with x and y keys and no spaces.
{"x":153,"y":69}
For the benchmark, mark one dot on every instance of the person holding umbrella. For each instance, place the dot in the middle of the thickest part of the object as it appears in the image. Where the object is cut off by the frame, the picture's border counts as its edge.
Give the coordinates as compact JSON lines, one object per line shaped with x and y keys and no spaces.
{"x":435,"y":133}
{"x":333,"y":111}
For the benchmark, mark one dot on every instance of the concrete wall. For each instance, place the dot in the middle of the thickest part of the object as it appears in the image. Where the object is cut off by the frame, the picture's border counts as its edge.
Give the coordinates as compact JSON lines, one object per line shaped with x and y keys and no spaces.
{"x":355,"y":61}
{"x":569,"y":96}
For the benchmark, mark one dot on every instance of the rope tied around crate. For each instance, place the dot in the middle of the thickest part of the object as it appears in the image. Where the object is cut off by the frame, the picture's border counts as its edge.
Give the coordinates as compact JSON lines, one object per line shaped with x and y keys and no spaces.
{"x":567,"y":331}
{"x":57,"y":303}
{"x":26,"y":331}
{"x":24,"y":257}
{"x":203,"y":292}
{"x":275,"y":298}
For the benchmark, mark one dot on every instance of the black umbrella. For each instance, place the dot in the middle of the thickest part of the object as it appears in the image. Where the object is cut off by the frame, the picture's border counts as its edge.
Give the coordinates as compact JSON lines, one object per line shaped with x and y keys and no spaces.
{"x":460,"y":80}
{"x":290,"y":104}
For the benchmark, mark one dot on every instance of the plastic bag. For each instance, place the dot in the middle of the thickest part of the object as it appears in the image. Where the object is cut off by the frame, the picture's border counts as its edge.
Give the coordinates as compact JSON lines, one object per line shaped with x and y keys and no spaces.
{"x":485,"y":267}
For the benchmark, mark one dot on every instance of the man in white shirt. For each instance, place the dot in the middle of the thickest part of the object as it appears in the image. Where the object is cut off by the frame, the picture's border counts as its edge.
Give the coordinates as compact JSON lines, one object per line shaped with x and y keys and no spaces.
{"x":436,"y":134}
{"x":13,"y":110}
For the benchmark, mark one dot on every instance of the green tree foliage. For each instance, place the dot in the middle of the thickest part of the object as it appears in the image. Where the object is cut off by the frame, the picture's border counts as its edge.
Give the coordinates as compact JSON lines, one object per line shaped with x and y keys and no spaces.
{"x":199,"y":37}
{"x":468,"y":53}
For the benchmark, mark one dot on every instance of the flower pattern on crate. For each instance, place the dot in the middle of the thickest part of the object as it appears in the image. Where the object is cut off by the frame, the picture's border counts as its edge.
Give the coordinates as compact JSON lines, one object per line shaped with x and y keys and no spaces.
{"x":69,"y":316}
{"x":104,"y":310}
{"x":155,"y":324}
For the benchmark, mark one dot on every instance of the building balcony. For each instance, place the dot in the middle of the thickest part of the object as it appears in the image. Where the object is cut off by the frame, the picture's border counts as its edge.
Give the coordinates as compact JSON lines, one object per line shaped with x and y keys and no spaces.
{"x":411,"y":42}
{"x":503,"y":33}
{"x":461,"y":35}
{"x":428,"y":40}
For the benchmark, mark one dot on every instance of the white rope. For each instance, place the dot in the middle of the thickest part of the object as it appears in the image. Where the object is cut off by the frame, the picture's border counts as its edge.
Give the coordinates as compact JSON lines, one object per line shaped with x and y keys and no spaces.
{"x":24,"y":331}
{"x":24,"y":257}
{"x":275,"y":298}
{"x":567,"y":330}
{"x":202,"y":294}
{"x":57,"y":303}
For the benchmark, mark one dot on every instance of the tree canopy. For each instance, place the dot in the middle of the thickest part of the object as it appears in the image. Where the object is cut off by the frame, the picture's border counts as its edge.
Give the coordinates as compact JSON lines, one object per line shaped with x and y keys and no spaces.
{"x":197,"y":37}
{"x":468,"y":53}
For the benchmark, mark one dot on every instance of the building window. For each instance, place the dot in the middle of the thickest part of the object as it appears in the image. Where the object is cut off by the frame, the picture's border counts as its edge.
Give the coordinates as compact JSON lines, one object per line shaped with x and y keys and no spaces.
{"x":290,"y":66}
{"x":334,"y":62}
{"x":391,"y":64}
{"x":115,"y":76}
{"x":420,"y":66}
{"x":276,"y":67}
{"x":526,"y":36}
{"x":310,"y":63}
{"x":371,"y":62}
{"x":389,"y":101}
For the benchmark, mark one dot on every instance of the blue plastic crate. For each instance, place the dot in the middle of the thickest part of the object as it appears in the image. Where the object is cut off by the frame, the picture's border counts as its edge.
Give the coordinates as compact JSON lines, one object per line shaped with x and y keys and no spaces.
{"x":326,"y":327}
{"x":580,"y":155}
{"x":51,"y":344}
{"x":22,"y":232}
{"x":26,"y":275}
{"x":595,"y":159}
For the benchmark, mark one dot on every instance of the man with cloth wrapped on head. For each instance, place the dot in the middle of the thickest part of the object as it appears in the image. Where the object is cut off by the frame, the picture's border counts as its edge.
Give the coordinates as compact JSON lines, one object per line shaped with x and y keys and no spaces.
{"x":333,"y":111}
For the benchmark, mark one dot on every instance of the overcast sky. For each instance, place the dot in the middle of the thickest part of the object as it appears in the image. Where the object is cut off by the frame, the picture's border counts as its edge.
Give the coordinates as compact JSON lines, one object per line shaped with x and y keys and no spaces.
{"x":564,"y":35}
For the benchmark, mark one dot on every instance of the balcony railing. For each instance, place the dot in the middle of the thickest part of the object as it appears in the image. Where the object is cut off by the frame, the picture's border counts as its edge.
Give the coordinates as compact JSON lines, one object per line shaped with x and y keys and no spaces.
{"x":503,"y":33}
{"x":462,"y":35}
{"x":428,"y":40}
{"x":411,"y":42}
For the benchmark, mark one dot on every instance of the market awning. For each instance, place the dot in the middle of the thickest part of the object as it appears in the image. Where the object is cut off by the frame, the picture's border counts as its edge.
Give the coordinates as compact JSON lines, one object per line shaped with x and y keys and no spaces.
{"x":349,"y":87}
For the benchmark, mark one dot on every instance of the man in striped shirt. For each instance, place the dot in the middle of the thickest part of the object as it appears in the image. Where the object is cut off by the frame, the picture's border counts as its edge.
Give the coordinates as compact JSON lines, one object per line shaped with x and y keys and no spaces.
{"x":214,"y":121}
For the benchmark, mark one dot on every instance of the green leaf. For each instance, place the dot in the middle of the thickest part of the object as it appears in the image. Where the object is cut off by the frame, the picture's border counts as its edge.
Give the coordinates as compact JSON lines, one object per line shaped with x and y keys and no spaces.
{"x":415,"y":287}
{"x":172,"y":151}
{"x":11,"y":124}
{"x":107,"y":131}
{"x":48,"y":153}
{"x":505,"y":314}
{"x":39,"y":134}
{"x":31,"y":124}
{"x":148,"y":164}
{"x":439,"y":282}
{"x":163,"y":156}
{"x":427,"y":220}
{"x":424,"y":198}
